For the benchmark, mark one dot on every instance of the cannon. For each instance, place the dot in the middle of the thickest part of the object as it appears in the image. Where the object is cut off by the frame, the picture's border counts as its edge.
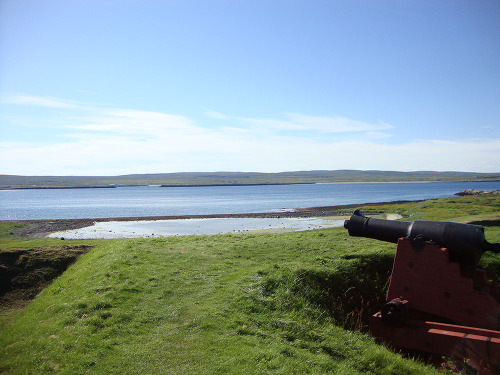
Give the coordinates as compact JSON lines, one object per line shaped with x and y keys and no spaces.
{"x":465,"y":241}
{"x":438,"y":300}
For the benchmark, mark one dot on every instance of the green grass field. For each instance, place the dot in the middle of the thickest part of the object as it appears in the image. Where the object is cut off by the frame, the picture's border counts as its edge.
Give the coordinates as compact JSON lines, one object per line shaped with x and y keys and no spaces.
{"x":287,"y":303}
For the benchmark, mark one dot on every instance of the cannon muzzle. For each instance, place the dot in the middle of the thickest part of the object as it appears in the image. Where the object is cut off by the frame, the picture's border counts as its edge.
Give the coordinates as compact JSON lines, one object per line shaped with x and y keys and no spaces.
{"x":466,"y":242}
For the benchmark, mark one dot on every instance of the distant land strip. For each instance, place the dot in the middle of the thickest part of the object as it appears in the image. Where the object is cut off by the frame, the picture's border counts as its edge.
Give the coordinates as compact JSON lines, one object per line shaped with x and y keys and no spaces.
{"x":189,"y":179}
{"x":238,"y":184}
{"x":59,"y":187}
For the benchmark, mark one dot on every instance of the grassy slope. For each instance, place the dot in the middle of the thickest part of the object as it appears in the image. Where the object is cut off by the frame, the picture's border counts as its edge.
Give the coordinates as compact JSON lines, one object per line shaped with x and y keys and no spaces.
{"x":231,"y":178}
{"x":251,"y":303}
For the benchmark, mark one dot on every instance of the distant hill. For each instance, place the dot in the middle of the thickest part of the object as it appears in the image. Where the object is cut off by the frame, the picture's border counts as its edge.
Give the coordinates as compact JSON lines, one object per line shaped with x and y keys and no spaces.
{"x":239,"y":178}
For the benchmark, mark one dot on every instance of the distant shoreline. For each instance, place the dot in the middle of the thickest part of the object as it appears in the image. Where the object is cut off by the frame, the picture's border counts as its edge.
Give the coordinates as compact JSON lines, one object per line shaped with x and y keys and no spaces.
{"x":56,"y":187}
{"x":192,"y":179}
{"x":113,"y":186}
{"x":258,"y":184}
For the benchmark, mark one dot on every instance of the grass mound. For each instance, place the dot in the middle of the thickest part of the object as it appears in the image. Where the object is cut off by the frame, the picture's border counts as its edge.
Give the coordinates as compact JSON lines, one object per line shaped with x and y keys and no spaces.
{"x":224,"y":304}
{"x":201,"y":304}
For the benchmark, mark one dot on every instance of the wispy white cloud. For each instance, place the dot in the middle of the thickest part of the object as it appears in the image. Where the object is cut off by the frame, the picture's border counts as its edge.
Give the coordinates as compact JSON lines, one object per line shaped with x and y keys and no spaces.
{"x":111,"y":141}
{"x":321,"y":124}
{"x":216,"y":115}
{"x":334,"y":124}
{"x":134,"y":122}
{"x":39,"y":101}
{"x":111,"y":155}
{"x":269,"y":123}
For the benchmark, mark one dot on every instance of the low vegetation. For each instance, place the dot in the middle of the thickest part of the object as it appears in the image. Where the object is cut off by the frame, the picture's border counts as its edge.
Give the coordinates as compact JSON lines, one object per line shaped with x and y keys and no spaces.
{"x":282,"y":303}
{"x":239,"y":178}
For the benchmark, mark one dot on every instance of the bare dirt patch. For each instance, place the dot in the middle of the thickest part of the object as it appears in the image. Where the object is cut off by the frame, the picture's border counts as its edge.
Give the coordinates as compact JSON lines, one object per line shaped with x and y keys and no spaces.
{"x":24,"y":272}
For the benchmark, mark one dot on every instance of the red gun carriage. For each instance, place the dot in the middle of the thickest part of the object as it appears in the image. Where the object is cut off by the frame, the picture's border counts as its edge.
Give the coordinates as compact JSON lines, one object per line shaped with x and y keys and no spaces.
{"x":438,"y":301}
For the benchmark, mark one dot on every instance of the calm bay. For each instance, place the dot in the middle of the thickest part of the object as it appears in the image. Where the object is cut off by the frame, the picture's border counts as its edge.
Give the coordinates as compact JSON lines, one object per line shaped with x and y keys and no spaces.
{"x":141,"y":201}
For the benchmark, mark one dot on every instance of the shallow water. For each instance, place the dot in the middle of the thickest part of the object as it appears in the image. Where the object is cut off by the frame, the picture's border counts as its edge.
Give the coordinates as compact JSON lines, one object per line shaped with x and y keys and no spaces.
{"x":162,"y":228}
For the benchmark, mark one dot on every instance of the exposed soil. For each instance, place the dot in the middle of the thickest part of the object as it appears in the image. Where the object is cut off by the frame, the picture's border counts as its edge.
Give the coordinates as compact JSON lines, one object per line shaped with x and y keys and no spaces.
{"x":24,"y":272}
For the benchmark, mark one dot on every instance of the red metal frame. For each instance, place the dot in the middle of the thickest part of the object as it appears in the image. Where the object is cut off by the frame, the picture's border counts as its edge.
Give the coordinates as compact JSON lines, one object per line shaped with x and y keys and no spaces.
{"x":448,"y":308}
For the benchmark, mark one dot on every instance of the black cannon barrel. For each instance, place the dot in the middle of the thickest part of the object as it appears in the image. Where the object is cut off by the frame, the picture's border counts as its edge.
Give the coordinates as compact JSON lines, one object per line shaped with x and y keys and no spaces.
{"x":465,"y":241}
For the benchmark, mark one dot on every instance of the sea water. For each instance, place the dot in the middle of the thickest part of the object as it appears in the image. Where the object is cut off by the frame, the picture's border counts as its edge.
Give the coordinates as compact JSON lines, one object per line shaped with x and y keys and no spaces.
{"x":143,"y":201}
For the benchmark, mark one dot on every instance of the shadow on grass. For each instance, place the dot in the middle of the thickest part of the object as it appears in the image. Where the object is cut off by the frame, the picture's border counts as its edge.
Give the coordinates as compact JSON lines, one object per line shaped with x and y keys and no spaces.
{"x":487,"y":223}
{"x":350,"y":290}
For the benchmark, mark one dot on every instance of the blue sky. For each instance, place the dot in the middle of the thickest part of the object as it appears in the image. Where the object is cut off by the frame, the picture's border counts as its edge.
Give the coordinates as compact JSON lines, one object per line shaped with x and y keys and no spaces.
{"x":92,"y":87}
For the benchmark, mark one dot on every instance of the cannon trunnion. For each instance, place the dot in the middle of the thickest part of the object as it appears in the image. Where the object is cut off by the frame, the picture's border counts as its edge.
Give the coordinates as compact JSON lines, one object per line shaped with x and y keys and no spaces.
{"x":438,"y":301}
